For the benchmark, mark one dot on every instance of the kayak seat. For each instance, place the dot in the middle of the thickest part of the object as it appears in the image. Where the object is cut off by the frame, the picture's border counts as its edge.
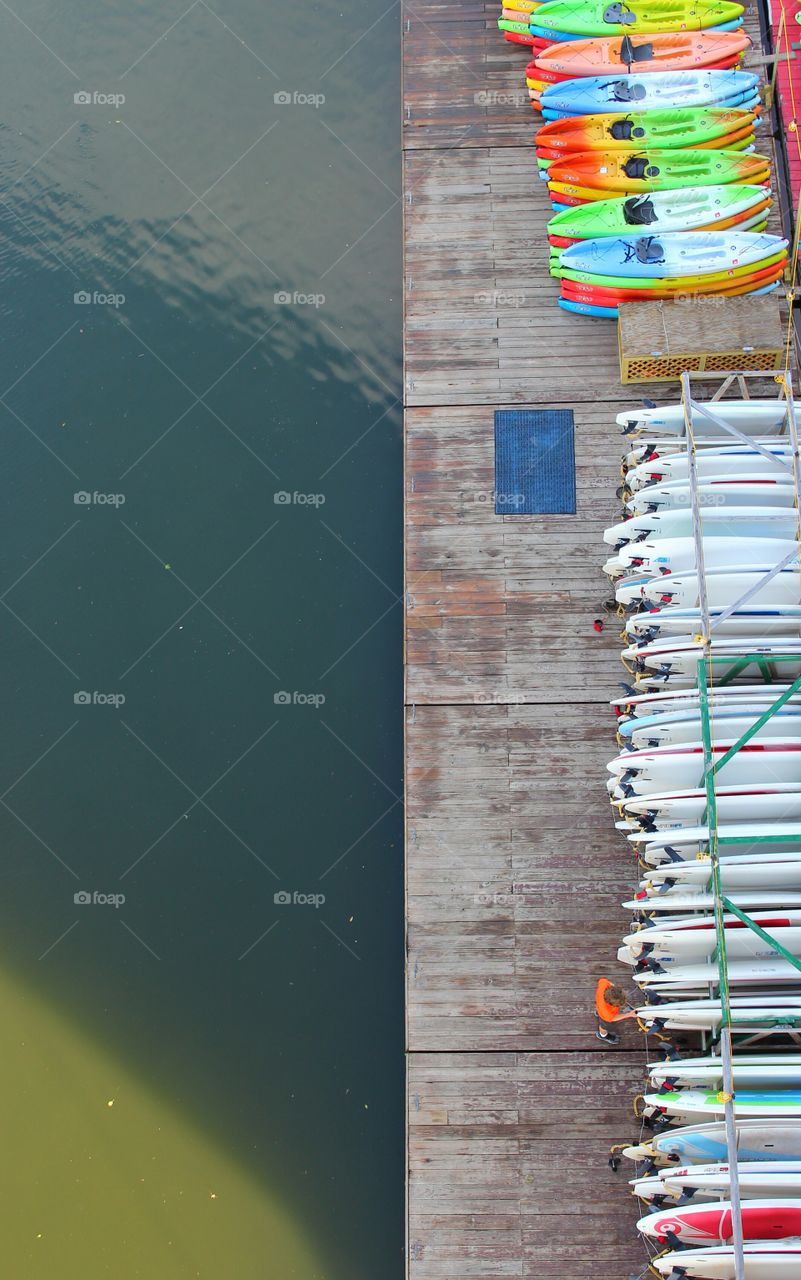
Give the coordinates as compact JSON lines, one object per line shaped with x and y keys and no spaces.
{"x":648,"y":249}
{"x":638,"y":211}
{"x":621,"y":130}
{"x":622,"y":91}
{"x":619,"y":13}
{"x":639,"y":167}
{"x":631,"y":52}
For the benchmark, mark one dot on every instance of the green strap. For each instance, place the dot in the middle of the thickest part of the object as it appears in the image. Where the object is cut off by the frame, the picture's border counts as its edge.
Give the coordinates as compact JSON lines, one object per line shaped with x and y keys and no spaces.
{"x":757,"y":725}
{"x":795,"y":961}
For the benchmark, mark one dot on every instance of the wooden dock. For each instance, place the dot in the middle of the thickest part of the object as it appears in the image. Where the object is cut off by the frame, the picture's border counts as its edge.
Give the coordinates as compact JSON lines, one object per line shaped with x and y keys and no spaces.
{"x":514,"y":869}
{"x":513,"y":865}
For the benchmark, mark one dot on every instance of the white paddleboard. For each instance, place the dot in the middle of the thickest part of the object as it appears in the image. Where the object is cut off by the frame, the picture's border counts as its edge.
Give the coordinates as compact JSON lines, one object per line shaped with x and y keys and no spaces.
{"x":747,"y":415}
{"x":756,"y":489}
{"x":764,"y":1260}
{"x":717,"y":522}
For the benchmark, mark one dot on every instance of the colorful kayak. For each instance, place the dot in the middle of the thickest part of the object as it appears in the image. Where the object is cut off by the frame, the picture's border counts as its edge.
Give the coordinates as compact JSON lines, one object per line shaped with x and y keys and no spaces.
{"x":680,"y":127}
{"x":607,"y":173}
{"x":748,"y":1102}
{"x":597,"y":18}
{"x":650,"y":92}
{"x":673,"y":51}
{"x":687,"y":209}
{"x":694,"y":254}
{"x":712,"y":1224}
{"x":611,"y":296}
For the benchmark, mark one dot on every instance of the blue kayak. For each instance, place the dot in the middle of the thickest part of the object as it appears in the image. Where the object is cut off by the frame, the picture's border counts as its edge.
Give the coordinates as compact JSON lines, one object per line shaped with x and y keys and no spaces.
{"x":587,"y":95}
{"x":674,"y":253}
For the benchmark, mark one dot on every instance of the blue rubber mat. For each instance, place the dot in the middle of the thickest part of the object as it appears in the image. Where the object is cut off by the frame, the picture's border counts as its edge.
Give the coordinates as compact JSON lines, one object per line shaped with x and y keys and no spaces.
{"x":535,"y":462}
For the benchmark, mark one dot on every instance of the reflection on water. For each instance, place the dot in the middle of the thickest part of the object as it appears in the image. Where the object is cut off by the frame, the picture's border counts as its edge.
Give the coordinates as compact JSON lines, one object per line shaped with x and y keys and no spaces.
{"x":117,"y":1181}
{"x":200,"y":573}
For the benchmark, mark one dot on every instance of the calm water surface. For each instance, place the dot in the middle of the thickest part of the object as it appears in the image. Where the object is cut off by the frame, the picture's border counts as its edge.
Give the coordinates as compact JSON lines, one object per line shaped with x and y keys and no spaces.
{"x":200,"y":905}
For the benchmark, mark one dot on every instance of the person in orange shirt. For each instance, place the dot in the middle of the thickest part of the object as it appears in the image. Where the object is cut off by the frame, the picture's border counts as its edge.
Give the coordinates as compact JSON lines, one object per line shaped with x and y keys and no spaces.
{"x":610,"y":1003}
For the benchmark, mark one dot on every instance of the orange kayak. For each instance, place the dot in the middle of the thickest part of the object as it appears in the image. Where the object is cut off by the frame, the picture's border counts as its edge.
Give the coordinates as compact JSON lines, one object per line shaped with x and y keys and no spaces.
{"x":672,"y":51}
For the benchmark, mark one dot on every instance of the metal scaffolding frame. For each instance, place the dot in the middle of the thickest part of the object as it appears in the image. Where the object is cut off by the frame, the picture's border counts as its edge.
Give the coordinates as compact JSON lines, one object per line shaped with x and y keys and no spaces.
{"x":767,"y":665}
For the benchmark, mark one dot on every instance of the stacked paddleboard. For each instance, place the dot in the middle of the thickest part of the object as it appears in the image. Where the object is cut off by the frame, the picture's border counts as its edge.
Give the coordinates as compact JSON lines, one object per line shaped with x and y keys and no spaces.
{"x":746,"y":496}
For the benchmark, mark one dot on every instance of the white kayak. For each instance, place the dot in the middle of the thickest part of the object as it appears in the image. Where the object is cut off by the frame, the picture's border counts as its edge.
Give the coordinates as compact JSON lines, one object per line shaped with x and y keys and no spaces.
{"x":724,"y":725}
{"x":713,"y":1181}
{"x":679,"y":655}
{"x":726,"y":587}
{"x":758,"y":1142}
{"x":737,"y":872}
{"x":678,"y":898}
{"x":676,"y":555}
{"x":742,"y":623}
{"x":684,"y":940}
{"x":665,"y":768}
{"x":670,"y":700}
{"x":717,"y":522}
{"x":654,"y":445}
{"x":677,"y":979}
{"x":747,"y":415}
{"x":772,"y":1013}
{"x":733,"y":838}
{"x":675,"y":810}
{"x":772,"y":490}
{"x":721,"y":460}
{"x":764,"y":1260}
{"x":749,"y":1069}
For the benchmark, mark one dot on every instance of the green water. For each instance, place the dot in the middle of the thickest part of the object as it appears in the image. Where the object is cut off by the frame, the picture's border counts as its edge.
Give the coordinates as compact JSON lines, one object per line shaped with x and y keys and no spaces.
{"x":200,"y":574}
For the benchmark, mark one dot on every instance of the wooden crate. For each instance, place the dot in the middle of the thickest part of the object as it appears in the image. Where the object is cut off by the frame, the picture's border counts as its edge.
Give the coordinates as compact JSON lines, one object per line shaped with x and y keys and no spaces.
{"x":659,"y":340}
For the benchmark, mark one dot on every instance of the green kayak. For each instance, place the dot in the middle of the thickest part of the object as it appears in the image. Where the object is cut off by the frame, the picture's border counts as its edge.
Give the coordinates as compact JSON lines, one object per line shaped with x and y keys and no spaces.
{"x":598,"y":18}
{"x":685,"y":209}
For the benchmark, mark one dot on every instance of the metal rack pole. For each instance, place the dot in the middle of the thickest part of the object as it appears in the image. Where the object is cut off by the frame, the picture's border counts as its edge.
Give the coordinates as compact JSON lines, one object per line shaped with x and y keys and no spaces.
{"x":704,"y":672}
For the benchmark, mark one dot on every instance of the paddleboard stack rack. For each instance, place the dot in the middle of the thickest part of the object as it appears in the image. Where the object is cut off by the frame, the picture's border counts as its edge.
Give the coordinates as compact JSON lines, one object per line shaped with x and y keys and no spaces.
{"x":714,"y":672}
